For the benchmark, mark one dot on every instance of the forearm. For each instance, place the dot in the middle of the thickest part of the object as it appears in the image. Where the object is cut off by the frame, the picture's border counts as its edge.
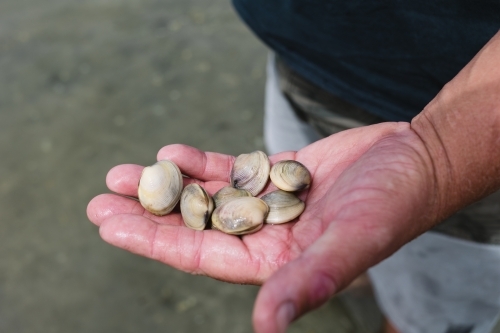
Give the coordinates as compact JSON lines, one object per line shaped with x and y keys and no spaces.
{"x":460,"y":128}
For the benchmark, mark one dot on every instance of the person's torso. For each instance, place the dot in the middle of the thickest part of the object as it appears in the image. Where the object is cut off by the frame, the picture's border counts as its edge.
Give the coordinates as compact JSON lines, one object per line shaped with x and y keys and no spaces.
{"x":387,"y":57}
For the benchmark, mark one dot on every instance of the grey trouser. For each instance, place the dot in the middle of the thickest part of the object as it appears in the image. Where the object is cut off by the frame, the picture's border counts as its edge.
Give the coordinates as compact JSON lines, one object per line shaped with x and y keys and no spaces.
{"x":434,"y":284}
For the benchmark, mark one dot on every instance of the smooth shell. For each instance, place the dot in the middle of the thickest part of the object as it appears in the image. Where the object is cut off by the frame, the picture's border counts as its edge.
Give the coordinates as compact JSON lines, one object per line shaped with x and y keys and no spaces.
{"x":228,"y":193}
{"x":251,"y":172}
{"x":196,"y":206}
{"x":290,"y":176}
{"x":283,"y":206}
{"x":160,"y":187}
{"x":240,"y":216}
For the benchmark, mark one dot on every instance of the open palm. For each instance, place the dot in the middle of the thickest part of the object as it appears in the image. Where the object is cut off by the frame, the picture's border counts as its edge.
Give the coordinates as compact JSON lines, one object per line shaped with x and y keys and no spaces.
{"x":372,"y":192}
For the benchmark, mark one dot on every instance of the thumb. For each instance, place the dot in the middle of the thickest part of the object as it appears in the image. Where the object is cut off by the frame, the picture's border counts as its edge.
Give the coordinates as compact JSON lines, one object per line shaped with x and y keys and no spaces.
{"x":325,"y":268}
{"x":294,"y":290}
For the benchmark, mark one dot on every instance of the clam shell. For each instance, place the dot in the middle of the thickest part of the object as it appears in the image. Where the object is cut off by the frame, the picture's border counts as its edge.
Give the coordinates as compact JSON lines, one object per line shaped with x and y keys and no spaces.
{"x":160,"y":187}
{"x":196,"y":206}
{"x":283,"y":206}
{"x":240,"y":216}
{"x":228,"y":193}
{"x":251,"y":172}
{"x":290,"y":176}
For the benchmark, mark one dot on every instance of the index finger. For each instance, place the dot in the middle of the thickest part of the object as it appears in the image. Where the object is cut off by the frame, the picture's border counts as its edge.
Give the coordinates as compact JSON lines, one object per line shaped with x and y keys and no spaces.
{"x":205,"y":166}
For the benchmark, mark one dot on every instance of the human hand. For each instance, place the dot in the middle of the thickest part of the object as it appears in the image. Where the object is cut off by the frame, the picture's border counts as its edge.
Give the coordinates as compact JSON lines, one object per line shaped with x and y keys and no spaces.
{"x":373,"y":190}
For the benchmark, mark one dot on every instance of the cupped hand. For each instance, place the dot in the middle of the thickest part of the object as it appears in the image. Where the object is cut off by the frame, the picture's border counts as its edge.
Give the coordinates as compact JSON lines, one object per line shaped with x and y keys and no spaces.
{"x":373,"y":190}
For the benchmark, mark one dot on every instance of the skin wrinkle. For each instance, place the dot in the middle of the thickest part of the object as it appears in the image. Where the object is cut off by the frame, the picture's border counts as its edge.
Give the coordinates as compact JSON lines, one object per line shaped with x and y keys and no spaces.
{"x":322,"y":162}
{"x":230,"y":163}
{"x":178,"y":250}
{"x":286,"y":254}
{"x":152,"y":252}
{"x":421,"y":161}
{"x":197,"y":249}
{"x":284,"y":257}
{"x":255,"y":260}
{"x":449,"y":165}
{"x":421,"y":158}
{"x":205,"y":165}
{"x":139,"y":210}
{"x":258,"y":266}
{"x":433,"y":165}
{"x":324,"y":165}
{"x":192,"y":266}
{"x":437,"y":202}
{"x":351,"y":200}
{"x":208,"y":173}
{"x":367,"y":174}
{"x":248,"y":258}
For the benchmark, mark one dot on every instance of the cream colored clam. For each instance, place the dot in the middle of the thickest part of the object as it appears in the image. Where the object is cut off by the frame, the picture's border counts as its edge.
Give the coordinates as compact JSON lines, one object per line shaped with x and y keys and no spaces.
{"x":251,"y":172}
{"x":196,"y":206}
{"x":283,"y":206}
{"x":240,"y":216}
{"x":160,"y":187}
{"x":228,"y":193}
{"x":290,"y":176}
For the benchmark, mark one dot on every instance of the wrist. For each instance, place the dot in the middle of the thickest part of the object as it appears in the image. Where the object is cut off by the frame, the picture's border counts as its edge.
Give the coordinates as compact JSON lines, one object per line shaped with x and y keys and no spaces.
{"x":460,"y":129}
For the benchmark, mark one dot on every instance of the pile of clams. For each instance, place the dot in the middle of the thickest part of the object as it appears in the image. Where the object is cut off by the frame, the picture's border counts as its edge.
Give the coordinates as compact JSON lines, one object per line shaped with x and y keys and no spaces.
{"x":234,"y":209}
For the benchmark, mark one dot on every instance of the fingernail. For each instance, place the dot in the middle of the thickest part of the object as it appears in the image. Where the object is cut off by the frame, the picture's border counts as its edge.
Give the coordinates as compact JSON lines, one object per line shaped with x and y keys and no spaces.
{"x":284,"y":316}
